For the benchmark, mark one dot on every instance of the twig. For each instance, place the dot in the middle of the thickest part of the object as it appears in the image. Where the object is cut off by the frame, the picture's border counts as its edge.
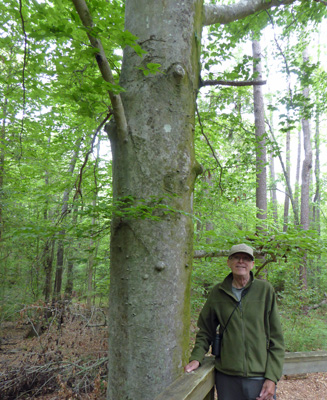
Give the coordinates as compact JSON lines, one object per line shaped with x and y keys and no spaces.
{"x":315,"y":306}
{"x":231,"y":83}
{"x":273,"y":259}
{"x":284,"y":57}
{"x":212,"y":150}
{"x":218,"y":253}
{"x":78,"y":182}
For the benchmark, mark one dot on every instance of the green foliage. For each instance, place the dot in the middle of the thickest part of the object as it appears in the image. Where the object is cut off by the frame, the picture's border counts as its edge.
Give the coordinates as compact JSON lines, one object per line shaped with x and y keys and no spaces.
{"x":151,"y":68}
{"x":304,"y":332}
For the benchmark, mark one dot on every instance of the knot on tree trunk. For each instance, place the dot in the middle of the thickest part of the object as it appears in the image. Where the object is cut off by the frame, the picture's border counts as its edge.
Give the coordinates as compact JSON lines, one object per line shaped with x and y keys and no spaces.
{"x":178,"y":72}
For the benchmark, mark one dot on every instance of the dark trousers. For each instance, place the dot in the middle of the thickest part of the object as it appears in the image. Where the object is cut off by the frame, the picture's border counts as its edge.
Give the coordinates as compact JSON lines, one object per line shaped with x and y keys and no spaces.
{"x":238,"y":388}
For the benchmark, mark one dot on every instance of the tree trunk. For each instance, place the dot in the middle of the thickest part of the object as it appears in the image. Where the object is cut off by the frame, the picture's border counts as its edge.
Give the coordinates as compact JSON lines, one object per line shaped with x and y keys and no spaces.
{"x":93,"y":244}
{"x":317,"y":196}
{"x":60,"y":246}
{"x":298,"y":171}
{"x":288,"y":173}
{"x":306,"y":171}
{"x":273,"y":194}
{"x":288,"y":183}
{"x":70,"y":263}
{"x":2,"y":161}
{"x":261,"y":153}
{"x":151,"y":259}
{"x":48,"y":251}
{"x":48,"y":263}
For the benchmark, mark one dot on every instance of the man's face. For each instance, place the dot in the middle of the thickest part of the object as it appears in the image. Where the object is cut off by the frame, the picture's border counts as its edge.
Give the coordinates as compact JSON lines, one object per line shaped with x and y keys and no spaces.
{"x":240,"y":264}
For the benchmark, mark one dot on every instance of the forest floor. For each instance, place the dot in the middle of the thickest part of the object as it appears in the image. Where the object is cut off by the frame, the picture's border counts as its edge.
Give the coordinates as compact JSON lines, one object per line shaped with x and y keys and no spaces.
{"x":68,"y":361}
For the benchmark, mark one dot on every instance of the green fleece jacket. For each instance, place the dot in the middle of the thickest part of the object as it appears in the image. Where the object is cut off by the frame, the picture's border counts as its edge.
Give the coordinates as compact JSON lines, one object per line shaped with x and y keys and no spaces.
{"x":252,"y":344}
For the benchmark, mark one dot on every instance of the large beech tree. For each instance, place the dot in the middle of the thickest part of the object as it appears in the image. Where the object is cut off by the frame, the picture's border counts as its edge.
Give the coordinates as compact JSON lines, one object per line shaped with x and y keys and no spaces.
{"x":154,"y":164}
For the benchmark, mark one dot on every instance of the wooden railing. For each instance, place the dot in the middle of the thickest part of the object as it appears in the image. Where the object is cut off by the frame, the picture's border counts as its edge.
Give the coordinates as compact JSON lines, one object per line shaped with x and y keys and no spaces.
{"x":200,"y":384}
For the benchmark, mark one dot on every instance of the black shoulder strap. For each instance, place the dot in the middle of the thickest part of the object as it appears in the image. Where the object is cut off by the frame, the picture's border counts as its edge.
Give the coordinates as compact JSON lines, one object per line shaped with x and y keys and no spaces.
{"x":238,"y":303}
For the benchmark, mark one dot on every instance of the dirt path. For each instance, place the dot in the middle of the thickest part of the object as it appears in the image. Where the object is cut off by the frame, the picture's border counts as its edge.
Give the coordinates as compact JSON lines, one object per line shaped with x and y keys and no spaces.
{"x":304,"y":387}
{"x":78,"y":341}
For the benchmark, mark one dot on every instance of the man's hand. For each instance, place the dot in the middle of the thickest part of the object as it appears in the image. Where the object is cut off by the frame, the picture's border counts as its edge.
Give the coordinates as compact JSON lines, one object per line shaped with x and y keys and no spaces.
{"x":193,"y":365}
{"x":267,"y":391}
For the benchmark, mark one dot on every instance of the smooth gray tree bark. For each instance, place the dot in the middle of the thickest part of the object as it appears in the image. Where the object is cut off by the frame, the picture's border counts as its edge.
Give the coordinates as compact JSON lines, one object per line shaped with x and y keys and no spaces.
{"x":317,"y":195}
{"x":288,"y":173}
{"x":260,"y":133}
{"x":306,"y":175}
{"x":94,"y":243}
{"x":2,"y":160}
{"x":298,"y":172}
{"x":151,"y":260}
{"x":273,"y":187}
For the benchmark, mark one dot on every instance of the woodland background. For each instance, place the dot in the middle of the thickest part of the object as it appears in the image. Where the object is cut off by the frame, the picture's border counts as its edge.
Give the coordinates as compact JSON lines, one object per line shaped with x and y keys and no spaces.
{"x":261,"y":147}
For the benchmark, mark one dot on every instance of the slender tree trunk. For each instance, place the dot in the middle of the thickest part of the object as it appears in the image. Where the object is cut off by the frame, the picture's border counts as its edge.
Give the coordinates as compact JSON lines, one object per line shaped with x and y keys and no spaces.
{"x":297,"y":191}
{"x":288,"y":173}
{"x":306,"y":172}
{"x":2,"y":161}
{"x":261,"y":153}
{"x":317,"y":196}
{"x":273,"y":194}
{"x":70,"y":279}
{"x":60,"y":246}
{"x":209,"y":223}
{"x":48,"y":251}
{"x":70,"y":263}
{"x":93,"y":243}
{"x":48,"y":267}
{"x":288,"y":183}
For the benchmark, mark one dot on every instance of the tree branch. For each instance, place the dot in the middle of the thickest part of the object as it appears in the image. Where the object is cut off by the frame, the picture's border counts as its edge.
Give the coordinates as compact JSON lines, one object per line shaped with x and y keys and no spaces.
{"x":78,"y":182}
{"x":205,"y":254}
{"x":23,"y":76}
{"x":266,"y":262}
{"x":223,"y":14}
{"x":315,"y":306}
{"x":212,"y":150}
{"x":224,"y":253}
{"x":286,"y":177}
{"x":231,"y":83}
{"x":100,"y":56}
{"x":220,"y":253}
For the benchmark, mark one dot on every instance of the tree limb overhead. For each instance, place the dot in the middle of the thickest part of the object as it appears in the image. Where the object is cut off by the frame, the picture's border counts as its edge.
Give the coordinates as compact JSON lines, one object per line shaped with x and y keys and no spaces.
{"x":104,"y":67}
{"x":223,"y":14}
{"x":231,"y":83}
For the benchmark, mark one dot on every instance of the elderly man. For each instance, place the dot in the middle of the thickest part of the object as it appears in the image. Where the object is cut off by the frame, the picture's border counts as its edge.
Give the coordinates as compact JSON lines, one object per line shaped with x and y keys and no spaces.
{"x":252,"y":348}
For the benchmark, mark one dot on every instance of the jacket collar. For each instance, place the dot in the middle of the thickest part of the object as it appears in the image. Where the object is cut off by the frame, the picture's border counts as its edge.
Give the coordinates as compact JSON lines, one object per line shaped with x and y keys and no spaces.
{"x":226,"y":284}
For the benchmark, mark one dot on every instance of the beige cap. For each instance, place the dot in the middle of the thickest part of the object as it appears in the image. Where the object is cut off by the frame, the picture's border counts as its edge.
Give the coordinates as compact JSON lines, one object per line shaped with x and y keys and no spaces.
{"x":241,"y":248}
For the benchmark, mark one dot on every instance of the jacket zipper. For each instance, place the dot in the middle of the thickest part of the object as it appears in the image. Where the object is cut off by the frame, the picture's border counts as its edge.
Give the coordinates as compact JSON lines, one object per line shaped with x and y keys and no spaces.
{"x":245,"y":372}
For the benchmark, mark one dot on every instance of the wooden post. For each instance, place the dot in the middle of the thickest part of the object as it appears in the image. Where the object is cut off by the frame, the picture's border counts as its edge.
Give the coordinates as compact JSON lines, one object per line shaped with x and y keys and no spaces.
{"x":210,"y":395}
